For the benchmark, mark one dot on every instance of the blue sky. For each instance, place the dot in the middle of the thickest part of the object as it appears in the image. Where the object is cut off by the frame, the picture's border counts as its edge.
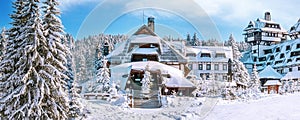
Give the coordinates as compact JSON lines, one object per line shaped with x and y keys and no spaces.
{"x":208,"y":18}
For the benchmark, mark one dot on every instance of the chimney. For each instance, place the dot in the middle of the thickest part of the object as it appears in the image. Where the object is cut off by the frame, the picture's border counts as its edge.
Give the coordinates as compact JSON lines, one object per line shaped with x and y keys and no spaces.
{"x":267,"y":16}
{"x":151,"y":23}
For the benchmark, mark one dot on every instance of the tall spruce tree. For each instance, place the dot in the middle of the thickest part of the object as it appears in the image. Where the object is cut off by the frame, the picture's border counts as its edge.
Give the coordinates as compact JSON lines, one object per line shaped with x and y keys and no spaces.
{"x":56,"y":57}
{"x":69,"y":43}
{"x":32,"y":69}
{"x":12,"y":48}
{"x":75,"y":109}
{"x":104,"y":77}
{"x":240,"y":74}
{"x":75,"y":106}
{"x":255,"y":82}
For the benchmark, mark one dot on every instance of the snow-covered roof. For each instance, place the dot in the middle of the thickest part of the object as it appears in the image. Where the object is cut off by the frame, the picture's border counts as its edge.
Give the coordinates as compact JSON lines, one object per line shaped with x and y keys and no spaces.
{"x":269,"y":73}
{"x":212,"y":50}
{"x":291,"y":75}
{"x":119,"y":49}
{"x":118,"y":72}
{"x":192,"y":50}
{"x":272,"y":82}
{"x":167,"y":51}
{"x":144,"y":38}
{"x":175,"y":82}
{"x":148,"y":51}
{"x":295,"y":28}
{"x":260,"y":25}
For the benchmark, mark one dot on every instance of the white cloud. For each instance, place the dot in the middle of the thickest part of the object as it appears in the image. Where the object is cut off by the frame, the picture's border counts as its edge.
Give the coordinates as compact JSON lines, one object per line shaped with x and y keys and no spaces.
{"x":237,"y":12}
{"x":66,"y":4}
{"x":230,"y":13}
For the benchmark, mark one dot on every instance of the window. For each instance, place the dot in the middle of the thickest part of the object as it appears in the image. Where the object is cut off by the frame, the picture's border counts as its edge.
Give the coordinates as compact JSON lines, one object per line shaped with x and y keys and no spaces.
{"x":282,"y":55}
{"x":216,"y":67}
{"x":220,"y":55}
{"x":277,"y":62}
{"x":262,"y":59}
{"x":288,"y":47}
{"x":205,"y":55}
{"x":254,"y":51}
{"x":298,"y":68}
{"x":200,"y":67}
{"x":290,"y":69}
{"x":225,"y":78}
{"x":259,"y":65}
{"x":255,"y":59}
{"x":295,"y":53}
{"x":278,"y":49}
{"x":272,"y":57}
{"x":289,"y":60}
{"x":224,"y":66}
{"x":190,"y":66}
{"x":268,"y":51}
{"x":298,"y":45}
{"x":145,"y":59}
{"x":208,"y":66}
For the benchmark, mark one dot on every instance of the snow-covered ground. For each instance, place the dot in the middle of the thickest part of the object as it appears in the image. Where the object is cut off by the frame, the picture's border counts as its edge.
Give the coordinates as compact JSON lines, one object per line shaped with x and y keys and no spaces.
{"x":270,"y":107}
{"x":273,"y":107}
{"x":179,"y":108}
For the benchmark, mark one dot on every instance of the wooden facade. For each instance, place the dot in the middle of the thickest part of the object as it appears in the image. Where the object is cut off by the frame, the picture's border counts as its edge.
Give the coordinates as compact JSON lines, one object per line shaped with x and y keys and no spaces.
{"x":274,"y":88}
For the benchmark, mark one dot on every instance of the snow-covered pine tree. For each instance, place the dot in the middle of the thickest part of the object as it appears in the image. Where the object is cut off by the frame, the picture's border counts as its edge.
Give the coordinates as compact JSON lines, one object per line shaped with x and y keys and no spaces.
{"x":98,"y":58}
{"x":240,"y":74}
{"x":2,"y":43}
{"x":235,"y":50}
{"x":255,"y":82}
{"x":69,"y":43}
{"x":76,"y":107}
{"x":34,"y":87}
{"x":11,"y":53}
{"x":56,"y":57}
{"x":81,"y":68}
{"x":146,"y":81}
{"x":104,"y":77}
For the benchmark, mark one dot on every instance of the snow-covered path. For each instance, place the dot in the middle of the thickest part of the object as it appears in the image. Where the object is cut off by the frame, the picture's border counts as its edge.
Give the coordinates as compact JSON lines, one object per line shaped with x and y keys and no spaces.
{"x":278,"y":107}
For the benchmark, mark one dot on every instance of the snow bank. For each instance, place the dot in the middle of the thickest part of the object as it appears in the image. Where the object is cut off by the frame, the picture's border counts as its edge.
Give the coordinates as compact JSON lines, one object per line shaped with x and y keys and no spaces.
{"x":271,"y":107}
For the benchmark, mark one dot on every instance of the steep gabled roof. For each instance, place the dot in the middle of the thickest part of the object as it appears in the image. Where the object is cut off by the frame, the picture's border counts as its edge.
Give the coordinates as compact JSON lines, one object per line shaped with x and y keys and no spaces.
{"x":144,"y":30}
{"x":145,"y":35}
{"x":295,"y":28}
{"x":269,"y":73}
{"x":260,"y":25}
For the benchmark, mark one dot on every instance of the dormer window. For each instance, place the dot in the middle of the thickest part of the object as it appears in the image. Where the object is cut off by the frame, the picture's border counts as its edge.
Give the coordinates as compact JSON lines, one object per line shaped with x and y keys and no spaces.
{"x":205,"y":55}
{"x":220,"y":55}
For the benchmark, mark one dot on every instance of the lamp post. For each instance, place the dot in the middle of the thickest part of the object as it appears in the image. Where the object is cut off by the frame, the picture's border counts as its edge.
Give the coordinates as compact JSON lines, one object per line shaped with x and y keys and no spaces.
{"x":229,"y":70}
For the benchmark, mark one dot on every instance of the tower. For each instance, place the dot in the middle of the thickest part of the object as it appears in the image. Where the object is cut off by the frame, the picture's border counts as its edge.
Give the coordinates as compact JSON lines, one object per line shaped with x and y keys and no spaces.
{"x":151,"y":23}
{"x":267,"y":16}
